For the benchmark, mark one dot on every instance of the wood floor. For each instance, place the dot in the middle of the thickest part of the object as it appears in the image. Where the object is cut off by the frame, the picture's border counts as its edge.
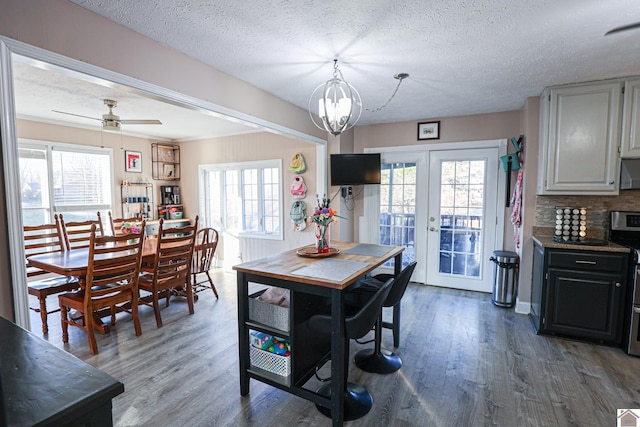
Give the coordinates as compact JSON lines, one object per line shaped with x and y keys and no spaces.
{"x":466,"y":363}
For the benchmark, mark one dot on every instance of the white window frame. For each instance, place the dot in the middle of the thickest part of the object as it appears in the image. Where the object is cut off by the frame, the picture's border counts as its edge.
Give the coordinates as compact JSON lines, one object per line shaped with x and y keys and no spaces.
{"x":50,"y":147}
{"x":205,"y":192}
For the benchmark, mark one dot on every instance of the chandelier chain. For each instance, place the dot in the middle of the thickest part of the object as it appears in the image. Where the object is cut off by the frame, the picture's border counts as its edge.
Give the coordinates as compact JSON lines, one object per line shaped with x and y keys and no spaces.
{"x":375,"y":110}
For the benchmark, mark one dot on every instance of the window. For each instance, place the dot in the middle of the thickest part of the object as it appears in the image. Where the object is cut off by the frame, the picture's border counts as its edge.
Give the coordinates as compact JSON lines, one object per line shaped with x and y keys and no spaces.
{"x":76,"y":181}
{"x":243,"y":198}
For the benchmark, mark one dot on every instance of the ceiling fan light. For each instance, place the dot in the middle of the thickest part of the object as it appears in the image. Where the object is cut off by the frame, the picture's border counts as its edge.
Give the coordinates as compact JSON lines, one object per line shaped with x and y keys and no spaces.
{"x":111,"y":125}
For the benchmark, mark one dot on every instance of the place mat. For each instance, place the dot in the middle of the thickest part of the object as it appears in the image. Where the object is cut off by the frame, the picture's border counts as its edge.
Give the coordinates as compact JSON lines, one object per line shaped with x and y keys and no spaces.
{"x":330,"y":269}
{"x":368,"y":249}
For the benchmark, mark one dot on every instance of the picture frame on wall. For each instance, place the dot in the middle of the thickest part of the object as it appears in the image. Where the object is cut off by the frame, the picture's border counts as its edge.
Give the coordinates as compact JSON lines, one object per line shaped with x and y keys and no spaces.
{"x":429,"y":130}
{"x":168,"y":171}
{"x":132,"y":161}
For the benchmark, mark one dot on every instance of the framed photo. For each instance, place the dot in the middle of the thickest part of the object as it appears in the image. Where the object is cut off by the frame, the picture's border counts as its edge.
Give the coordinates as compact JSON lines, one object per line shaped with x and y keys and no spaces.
{"x":168,"y":171}
{"x":132,"y":161}
{"x":429,"y":130}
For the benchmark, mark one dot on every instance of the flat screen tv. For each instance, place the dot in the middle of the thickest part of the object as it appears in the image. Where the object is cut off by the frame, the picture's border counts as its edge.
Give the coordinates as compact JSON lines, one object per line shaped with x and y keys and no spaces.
{"x":355,"y":169}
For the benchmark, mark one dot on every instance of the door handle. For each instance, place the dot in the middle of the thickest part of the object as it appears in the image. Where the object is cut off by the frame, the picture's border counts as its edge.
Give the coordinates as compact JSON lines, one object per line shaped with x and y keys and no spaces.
{"x":618,"y":284}
{"x":586,"y":262}
{"x":433,"y":229}
{"x":636,"y":310}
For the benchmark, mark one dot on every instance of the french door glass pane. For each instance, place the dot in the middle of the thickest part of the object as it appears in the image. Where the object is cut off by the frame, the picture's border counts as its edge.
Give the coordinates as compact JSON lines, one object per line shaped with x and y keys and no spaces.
{"x":398,"y":208}
{"x":461,"y":217}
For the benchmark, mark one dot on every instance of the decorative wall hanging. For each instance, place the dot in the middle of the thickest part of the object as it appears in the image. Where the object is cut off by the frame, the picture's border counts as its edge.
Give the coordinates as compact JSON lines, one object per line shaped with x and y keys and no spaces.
{"x":298,"y":189}
{"x":429,"y":130}
{"x":297,"y":215}
{"x":297,"y":164}
{"x":132,"y":161}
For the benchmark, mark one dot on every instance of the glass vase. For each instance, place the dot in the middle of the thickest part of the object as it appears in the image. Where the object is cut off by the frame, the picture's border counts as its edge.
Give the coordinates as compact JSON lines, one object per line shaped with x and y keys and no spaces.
{"x":323,"y":238}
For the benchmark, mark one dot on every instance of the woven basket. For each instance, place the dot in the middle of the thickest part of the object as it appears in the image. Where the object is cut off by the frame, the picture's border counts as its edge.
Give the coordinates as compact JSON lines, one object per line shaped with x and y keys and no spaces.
{"x":268,"y":314}
{"x":279,"y":365}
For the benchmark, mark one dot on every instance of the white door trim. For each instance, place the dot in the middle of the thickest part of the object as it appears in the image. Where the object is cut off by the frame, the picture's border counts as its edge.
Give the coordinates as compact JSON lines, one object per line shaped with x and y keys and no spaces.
{"x":369,"y":223}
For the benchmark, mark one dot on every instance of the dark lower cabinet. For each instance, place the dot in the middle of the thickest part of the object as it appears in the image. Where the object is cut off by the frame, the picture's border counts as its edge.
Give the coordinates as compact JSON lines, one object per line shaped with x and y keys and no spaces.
{"x":42,"y":385}
{"x":579,"y":294}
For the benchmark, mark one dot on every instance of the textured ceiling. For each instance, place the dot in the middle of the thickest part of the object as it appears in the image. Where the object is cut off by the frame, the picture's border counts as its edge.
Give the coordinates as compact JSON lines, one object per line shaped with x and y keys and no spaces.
{"x":463,"y":56}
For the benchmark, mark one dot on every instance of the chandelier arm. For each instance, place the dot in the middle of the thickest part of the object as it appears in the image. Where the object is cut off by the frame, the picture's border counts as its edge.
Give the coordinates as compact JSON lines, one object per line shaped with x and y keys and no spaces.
{"x":375,"y":110}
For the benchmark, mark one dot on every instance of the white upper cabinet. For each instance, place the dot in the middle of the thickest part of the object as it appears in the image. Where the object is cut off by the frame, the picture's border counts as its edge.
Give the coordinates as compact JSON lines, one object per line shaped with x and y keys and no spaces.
{"x":631,"y":119}
{"x":580,"y":132}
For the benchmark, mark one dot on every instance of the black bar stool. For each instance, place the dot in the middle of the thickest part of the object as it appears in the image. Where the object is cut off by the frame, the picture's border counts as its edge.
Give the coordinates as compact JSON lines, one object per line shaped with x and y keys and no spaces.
{"x":357,"y":400}
{"x":376,"y":360}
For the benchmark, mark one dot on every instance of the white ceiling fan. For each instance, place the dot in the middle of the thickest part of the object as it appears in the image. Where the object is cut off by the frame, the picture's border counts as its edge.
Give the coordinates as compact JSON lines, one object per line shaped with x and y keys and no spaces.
{"x":622,"y":28}
{"x":111,"y":121}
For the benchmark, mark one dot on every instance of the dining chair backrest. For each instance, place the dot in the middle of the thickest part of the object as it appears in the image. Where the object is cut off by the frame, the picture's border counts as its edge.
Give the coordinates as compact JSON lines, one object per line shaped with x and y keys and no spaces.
{"x":114,"y":264}
{"x":115,"y":224}
{"x":174,"y":254}
{"x":360,"y":324}
{"x":204,"y":250}
{"x":77,"y":234}
{"x":400,"y":283}
{"x":39,"y":239}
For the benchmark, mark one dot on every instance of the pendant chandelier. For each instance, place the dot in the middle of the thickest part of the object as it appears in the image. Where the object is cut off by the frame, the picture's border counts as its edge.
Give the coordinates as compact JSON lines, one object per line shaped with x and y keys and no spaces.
{"x":338,"y":103}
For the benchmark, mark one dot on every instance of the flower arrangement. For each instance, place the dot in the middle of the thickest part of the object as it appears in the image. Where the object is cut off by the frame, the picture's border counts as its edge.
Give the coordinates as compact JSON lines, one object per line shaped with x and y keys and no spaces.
{"x":130,"y":227}
{"x":323,"y":216}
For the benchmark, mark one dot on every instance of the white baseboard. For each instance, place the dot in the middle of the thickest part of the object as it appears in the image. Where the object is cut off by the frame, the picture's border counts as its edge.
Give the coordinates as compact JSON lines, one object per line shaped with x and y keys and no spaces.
{"x":523,"y":307}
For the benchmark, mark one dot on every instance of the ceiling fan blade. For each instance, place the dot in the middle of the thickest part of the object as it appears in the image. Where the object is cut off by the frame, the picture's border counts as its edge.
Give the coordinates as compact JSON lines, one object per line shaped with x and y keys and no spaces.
{"x":623,"y":28}
{"x":77,"y":115}
{"x":140,"y":122}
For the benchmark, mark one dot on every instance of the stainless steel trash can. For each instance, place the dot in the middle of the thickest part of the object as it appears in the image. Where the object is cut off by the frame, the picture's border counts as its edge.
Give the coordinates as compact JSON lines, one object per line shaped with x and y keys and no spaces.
{"x":505,"y":279}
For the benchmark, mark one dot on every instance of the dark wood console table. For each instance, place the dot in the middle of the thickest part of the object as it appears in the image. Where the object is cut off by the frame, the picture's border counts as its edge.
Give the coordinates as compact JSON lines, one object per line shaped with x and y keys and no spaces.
{"x":312,"y":282}
{"x":43,"y":385}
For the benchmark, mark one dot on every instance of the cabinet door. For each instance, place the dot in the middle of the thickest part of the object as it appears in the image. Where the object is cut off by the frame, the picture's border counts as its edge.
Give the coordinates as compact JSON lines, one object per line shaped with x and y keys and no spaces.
{"x":537,"y":286}
{"x":582,"y":140}
{"x":631,"y":119}
{"x":585,"y":305}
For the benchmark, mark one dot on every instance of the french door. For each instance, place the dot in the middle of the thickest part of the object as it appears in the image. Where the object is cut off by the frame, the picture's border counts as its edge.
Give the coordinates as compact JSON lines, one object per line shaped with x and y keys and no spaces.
{"x":462,"y":218}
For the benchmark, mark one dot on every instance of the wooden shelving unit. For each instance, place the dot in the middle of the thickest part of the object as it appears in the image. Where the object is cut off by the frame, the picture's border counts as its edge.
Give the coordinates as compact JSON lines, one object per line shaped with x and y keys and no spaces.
{"x":165,"y":161}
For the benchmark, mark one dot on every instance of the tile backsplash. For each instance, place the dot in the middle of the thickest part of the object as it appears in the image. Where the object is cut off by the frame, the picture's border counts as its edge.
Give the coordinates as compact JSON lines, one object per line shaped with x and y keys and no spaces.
{"x":598,"y":208}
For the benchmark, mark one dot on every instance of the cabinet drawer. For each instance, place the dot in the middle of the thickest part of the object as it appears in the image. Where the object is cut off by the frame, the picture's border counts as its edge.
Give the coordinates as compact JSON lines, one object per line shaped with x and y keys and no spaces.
{"x":600,"y":261}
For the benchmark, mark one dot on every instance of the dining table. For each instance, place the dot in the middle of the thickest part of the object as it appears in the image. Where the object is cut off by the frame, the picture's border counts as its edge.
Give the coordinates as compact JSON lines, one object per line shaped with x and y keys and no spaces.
{"x":75,"y":263}
{"x":315,"y":281}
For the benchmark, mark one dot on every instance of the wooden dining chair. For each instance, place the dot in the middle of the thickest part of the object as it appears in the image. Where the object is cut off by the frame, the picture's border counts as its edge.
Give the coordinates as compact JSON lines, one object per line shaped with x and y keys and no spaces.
{"x":77,"y":233}
{"x":111,"y":283}
{"x":203,"y":255}
{"x":171,"y":269}
{"x":39,"y":239}
{"x":115,"y":224}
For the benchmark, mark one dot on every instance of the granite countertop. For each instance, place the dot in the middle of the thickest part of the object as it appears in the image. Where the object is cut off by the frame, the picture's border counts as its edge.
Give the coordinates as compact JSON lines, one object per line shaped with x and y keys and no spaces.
{"x":546,"y":241}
